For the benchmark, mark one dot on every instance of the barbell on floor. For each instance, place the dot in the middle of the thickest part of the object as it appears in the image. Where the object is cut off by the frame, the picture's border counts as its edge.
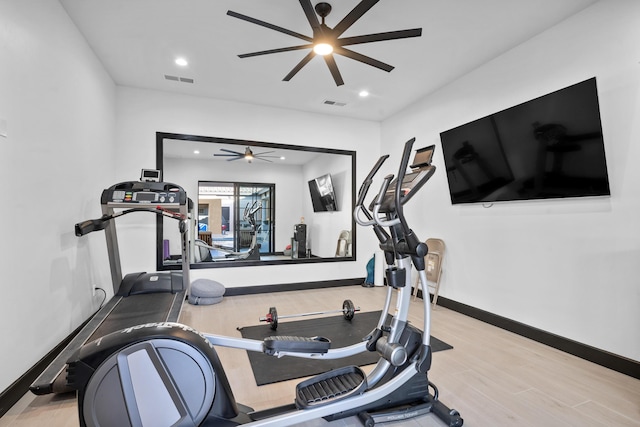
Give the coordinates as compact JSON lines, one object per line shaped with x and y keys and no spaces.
{"x":348,"y":311}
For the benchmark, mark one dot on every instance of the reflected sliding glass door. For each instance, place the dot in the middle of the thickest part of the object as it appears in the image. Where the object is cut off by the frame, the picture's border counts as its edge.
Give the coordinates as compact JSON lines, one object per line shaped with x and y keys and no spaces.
{"x":236,"y":216}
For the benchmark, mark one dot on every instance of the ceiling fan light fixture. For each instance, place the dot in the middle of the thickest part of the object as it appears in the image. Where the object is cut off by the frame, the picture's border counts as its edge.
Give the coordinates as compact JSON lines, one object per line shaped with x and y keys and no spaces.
{"x":322,"y":48}
{"x":248,"y":154}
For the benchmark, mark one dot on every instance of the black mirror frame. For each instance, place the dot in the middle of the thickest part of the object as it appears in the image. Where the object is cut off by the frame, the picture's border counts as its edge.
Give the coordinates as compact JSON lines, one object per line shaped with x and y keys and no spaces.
{"x":161,"y":136}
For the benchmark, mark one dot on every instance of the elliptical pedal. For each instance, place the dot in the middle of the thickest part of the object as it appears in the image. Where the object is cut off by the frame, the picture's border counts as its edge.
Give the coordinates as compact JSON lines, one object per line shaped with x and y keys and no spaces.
{"x":330,"y":386}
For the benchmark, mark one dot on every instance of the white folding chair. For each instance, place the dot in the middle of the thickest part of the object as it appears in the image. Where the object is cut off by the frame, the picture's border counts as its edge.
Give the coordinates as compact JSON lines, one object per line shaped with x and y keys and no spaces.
{"x":433,"y":268}
{"x":344,"y":242}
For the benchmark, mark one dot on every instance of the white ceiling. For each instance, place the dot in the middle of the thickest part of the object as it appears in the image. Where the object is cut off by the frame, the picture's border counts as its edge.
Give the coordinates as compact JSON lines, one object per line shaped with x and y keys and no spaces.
{"x":138,"y":41}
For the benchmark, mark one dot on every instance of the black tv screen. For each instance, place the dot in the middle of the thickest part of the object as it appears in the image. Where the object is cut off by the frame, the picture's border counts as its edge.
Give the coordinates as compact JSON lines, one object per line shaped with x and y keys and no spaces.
{"x":546,"y":148}
{"x":323,"y":197}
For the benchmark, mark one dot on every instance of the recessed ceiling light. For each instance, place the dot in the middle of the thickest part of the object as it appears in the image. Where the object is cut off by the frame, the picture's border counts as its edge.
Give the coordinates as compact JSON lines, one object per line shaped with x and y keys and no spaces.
{"x":181,"y":62}
{"x":282,"y":157}
{"x":363,"y":93}
{"x":196,"y":152}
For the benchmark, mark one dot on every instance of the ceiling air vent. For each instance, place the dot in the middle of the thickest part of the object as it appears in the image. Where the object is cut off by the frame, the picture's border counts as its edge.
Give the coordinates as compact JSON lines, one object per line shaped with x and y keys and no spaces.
{"x":336,"y":103}
{"x":178,"y":79}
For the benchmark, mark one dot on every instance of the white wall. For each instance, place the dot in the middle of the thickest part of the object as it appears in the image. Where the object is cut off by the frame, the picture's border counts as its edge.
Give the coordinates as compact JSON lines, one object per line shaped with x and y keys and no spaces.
{"x":59,"y":108}
{"x":142,"y":113}
{"x":569,"y":267}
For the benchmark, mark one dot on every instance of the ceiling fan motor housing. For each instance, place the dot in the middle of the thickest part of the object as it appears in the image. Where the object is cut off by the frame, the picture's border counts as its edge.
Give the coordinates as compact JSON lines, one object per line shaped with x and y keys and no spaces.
{"x":323,"y":9}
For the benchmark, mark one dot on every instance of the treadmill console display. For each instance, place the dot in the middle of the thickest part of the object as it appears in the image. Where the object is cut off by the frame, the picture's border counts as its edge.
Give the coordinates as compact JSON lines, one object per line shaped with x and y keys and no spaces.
{"x":120,"y":196}
{"x":139,"y":193}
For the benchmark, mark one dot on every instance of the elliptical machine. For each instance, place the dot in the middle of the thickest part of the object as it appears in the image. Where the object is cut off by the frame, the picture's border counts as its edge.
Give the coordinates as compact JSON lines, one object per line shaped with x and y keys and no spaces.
{"x":169,"y":374}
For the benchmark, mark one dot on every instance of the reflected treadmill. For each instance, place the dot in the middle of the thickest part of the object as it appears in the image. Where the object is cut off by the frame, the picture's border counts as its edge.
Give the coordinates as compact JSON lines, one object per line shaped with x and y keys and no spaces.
{"x":138,"y":297}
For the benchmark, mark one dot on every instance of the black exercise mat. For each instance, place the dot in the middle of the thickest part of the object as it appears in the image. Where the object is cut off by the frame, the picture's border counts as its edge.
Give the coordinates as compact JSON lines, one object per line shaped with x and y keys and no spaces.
{"x":341,"y":332}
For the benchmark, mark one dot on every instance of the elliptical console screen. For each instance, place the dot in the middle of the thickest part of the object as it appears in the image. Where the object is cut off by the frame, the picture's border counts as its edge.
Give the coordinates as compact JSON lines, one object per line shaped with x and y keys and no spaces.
{"x":411,"y":181}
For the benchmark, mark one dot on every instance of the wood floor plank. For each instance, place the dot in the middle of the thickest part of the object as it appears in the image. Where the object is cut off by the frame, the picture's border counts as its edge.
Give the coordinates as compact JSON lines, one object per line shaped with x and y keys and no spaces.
{"x":606,"y":416}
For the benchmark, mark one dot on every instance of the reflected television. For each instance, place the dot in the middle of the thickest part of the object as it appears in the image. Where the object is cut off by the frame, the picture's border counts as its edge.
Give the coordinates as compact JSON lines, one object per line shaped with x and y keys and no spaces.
{"x":323,"y":196}
{"x":549,"y":147}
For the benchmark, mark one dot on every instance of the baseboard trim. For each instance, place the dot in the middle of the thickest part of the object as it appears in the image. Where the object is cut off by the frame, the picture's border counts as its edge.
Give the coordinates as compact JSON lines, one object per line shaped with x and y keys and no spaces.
{"x":264,"y":289}
{"x":603,"y":358}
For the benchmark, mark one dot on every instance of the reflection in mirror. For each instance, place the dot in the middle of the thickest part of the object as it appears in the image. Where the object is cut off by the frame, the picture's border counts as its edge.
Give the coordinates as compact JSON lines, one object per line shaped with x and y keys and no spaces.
{"x":257,"y":203}
{"x":234,"y":221}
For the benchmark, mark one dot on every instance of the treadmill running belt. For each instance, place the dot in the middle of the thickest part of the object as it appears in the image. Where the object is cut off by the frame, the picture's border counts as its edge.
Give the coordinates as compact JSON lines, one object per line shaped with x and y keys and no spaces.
{"x":136,"y":310}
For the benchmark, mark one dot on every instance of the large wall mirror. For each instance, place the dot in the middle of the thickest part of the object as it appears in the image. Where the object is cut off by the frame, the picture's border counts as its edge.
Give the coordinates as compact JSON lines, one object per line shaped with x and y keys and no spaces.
{"x":258,"y":203}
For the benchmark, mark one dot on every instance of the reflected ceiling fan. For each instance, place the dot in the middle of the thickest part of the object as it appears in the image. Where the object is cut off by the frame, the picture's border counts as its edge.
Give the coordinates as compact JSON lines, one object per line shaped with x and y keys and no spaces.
{"x":248,"y":155}
{"x":326,"y":41}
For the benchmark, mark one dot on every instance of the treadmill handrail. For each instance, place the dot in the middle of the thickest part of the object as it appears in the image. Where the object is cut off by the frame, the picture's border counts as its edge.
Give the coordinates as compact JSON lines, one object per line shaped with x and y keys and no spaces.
{"x":89,"y":226}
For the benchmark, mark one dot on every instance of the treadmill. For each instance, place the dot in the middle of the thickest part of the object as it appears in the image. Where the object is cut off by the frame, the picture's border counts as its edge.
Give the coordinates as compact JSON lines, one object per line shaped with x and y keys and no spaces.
{"x":141,"y":297}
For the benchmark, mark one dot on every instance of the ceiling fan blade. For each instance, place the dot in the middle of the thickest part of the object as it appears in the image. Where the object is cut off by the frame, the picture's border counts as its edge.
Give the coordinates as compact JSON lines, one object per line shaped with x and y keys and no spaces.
{"x":225,"y":155}
{"x":311,"y":14}
{"x":333,"y":67}
{"x":363,"y":58}
{"x":378,"y":37}
{"x":353,"y":16}
{"x":264,"y":160}
{"x":267,"y":25}
{"x":264,"y":152}
{"x":231,"y":151}
{"x":298,"y":67}
{"x":282,"y":49}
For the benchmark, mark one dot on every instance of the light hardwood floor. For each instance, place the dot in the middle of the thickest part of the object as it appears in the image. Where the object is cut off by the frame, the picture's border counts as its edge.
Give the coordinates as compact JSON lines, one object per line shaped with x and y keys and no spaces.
{"x":492,"y":377}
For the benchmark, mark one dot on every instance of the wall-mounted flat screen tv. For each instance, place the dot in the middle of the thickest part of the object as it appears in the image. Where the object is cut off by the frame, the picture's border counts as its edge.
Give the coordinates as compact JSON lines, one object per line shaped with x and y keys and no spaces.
{"x":323,"y":197}
{"x":546,"y":148}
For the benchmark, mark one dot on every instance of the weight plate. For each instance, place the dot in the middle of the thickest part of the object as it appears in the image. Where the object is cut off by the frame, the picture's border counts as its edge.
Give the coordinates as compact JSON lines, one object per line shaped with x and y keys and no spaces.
{"x":274,"y":318}
{"x":348,"y":309}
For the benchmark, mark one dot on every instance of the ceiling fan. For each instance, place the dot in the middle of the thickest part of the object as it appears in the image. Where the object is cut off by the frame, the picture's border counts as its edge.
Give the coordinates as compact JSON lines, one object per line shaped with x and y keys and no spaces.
{"x":326,"y":41}
{"x":248,"y":155}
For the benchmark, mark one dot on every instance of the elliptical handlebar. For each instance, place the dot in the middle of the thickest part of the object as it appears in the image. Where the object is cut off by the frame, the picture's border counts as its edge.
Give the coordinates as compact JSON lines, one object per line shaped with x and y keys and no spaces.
{"x":364,"y":188}
{"x":252,"y":208}
{"x":362,"y":193}
{"x":399,"y":196}
{"x":377,"y":204}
